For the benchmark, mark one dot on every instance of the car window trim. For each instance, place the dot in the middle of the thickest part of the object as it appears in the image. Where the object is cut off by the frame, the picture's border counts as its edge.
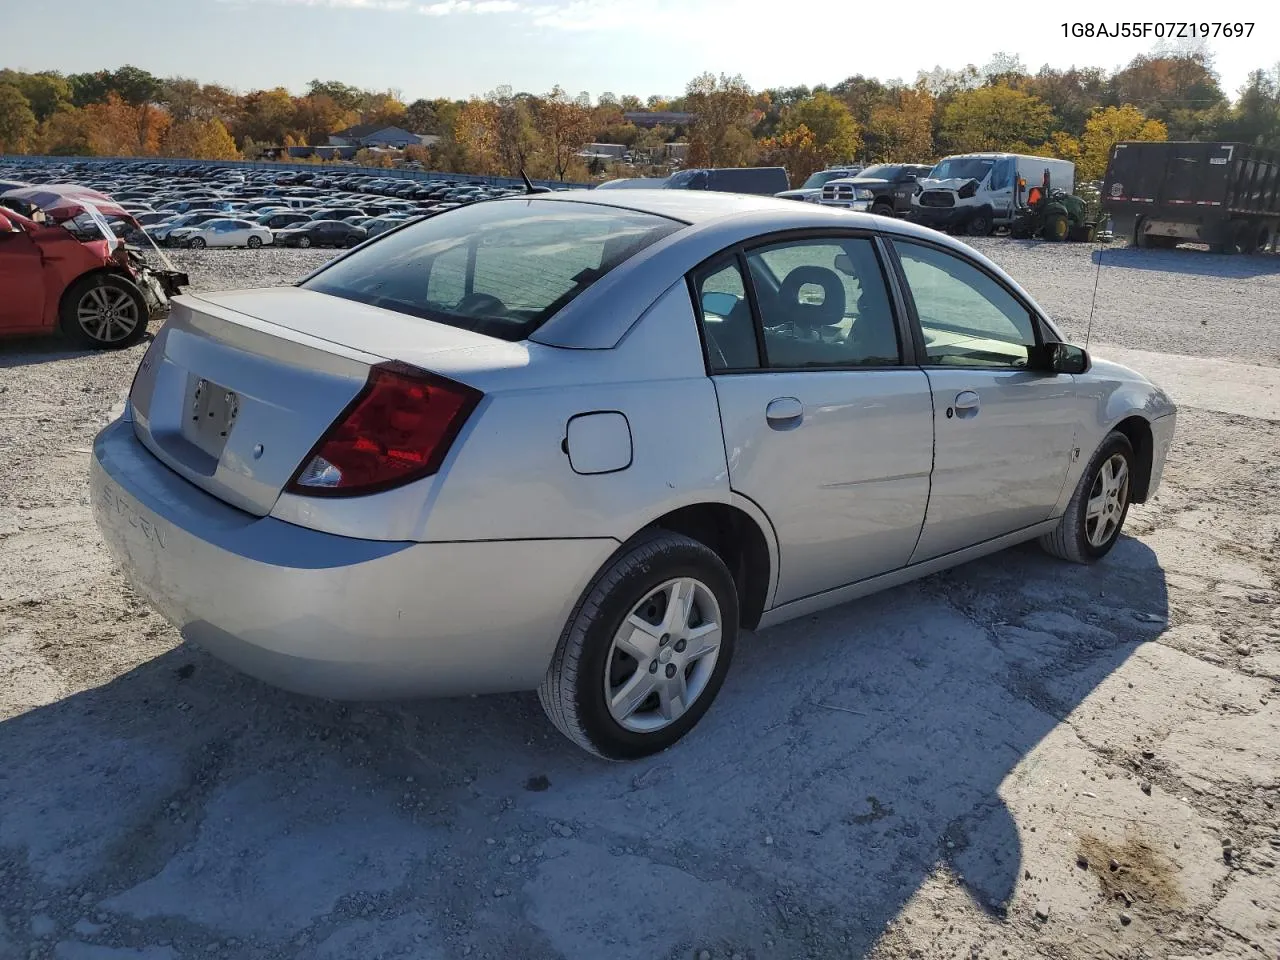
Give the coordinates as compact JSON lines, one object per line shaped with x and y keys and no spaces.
{"x":917,"y":331}
{"x":738,"y":252}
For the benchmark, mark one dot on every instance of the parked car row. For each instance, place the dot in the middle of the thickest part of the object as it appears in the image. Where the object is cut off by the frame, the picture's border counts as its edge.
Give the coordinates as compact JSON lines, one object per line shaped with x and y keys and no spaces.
{"x":186,"y":206}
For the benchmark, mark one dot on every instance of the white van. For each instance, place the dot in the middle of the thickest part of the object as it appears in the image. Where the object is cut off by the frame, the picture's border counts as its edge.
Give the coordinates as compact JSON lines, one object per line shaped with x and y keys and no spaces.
{"x":977,"y":192}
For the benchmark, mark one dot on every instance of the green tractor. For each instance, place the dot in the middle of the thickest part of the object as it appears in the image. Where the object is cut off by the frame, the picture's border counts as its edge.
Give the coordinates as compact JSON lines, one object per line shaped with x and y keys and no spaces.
{"x":1056,"y":215}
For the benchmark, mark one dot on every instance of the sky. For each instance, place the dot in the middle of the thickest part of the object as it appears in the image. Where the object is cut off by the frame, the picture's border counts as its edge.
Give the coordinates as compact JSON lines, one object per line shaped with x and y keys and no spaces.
{"x":460,"y":48}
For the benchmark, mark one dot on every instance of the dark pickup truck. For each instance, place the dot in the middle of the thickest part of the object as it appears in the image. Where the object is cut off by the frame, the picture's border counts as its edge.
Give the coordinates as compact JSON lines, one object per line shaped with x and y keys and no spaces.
{"x":1224,"y":194}
{"x":883,"y":189}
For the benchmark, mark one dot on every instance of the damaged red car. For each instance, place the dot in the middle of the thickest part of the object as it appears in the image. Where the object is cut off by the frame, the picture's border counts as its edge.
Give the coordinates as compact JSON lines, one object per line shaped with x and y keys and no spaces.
{"x":62,"y":269}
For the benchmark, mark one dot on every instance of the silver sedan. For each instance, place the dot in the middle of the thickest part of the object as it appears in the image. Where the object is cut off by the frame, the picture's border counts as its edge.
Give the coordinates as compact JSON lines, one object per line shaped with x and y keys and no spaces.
{"x":575,"y":442}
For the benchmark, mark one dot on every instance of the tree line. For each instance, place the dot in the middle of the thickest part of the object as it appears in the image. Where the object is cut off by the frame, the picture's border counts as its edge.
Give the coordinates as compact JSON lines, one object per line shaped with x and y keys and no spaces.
{"x":1075,"y":113}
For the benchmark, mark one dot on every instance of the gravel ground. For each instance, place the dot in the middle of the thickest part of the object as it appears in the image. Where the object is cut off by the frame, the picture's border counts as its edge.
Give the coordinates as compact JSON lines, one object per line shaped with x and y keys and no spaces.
{"x":1015,"y":759}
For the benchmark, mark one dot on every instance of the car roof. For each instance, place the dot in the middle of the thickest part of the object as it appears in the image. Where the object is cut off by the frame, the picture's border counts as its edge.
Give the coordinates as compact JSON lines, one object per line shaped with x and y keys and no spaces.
{"x":715,"y":221}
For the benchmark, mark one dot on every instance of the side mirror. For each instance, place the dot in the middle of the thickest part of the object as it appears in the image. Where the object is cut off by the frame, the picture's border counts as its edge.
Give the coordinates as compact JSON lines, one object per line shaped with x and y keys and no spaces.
{"x":1061,"y":358}
{"x":909,"y":178}
{"x":719,"y":304}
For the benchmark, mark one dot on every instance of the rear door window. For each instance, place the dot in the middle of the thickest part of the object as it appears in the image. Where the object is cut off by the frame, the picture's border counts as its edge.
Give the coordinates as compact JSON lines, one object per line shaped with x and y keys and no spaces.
{"x":501,"y":268}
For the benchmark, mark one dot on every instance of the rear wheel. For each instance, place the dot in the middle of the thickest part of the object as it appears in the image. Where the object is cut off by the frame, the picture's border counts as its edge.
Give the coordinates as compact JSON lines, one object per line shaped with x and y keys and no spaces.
{"x":645,"y":651}
{"x":254,"y":243}
{"x":104,"y":311}
{"x":1240,"y":239}
{"x":1091,"y":524}
{"x":1056,"y":227}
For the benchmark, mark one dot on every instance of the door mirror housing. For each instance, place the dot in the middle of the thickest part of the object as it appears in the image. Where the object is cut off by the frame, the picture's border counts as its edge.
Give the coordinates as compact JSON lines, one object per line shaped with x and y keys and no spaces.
{"x":1060,"y":358}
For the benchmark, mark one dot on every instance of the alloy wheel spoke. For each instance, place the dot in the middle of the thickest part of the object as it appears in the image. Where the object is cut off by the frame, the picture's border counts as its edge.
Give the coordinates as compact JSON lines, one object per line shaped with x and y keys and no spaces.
{"x":642,"y":642}
{"x":673,"y":697}
{"x":702,"y":640}
{"x":679,"y":607}
{"x":633,"y":693}
{"x":1096,"y":508}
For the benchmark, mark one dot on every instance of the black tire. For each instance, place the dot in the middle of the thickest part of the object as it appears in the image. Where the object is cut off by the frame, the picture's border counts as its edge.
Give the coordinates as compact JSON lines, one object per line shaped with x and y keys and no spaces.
{"x":573,"y":691}
{"x":1140,"y":238}
{"x":196,"y":243}
{"x":882,"y":209}
{"x":1262,"y":240}
{"x":1070,"y":541}
{"x":254,"y":243}
{"x":1056,"y":228}
{"x":126,"y":324}
{"x":979,"y":225}
{"x":304,"y":241}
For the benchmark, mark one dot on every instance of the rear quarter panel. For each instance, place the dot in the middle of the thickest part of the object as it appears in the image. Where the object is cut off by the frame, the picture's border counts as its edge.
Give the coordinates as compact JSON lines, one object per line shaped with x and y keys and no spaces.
{"x":511,"y":478}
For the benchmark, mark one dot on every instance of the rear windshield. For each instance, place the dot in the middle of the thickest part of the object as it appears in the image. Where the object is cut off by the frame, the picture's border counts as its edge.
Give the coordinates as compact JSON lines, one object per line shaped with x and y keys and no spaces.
{"x":501,"y":268}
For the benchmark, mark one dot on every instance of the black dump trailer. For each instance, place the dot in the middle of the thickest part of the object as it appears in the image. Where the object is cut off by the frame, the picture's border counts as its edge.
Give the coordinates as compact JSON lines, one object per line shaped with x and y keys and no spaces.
{"x":1224,"y":194}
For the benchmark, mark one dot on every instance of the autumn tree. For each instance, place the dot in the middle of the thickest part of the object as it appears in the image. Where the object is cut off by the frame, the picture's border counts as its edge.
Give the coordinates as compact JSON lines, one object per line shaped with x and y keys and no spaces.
{"x":1178,"y":87}
{"x":117,"y":128}
{"x":45,"y":92}
{"x":200,"y":140}
{"x":565,"y":126}
{"x":17,"y":122}
{"x":796,"y":149}
{"x":420,"y":117}
{"x":382,"y":109}
{"x":1108,"y":127}
{"x":995,"y":118}
{"x":1071,"y":94}
{"x":476,"y":133}
{"x":721,"y":132}
{"x":266,"y":116}
{"x":66,"y":134}
{"x":901,"y":129}
{"x":188,"y":99}
{"x":344,"y":95}
{"x":830,"y":124}
{"x":317,"y":115}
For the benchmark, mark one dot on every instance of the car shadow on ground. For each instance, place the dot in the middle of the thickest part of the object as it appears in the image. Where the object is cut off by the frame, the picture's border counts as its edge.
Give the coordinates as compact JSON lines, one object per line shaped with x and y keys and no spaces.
{"x":1196,"y":261}
{"x":851,"y":756}
{"x":28,"y":351}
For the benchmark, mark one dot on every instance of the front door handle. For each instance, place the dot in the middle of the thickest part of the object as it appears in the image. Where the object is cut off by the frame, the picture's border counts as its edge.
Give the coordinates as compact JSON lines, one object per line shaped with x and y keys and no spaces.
{"x":967,"y":404}
{"x":783,"y":413}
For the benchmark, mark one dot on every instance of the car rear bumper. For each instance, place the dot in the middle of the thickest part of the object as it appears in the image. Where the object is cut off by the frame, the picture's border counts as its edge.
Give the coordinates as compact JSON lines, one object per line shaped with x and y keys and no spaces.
{"x":328,"y":615}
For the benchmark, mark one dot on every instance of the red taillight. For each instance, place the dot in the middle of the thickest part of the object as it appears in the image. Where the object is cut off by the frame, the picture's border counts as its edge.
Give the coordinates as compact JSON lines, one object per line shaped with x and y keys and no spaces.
{"x":398,"y":429}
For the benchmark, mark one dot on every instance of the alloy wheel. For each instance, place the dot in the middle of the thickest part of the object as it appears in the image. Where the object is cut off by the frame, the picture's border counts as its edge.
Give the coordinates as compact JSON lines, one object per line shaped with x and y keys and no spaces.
{"x":1108,"y":498}
{"x":663,"y":655}
{"x":107,"y":314}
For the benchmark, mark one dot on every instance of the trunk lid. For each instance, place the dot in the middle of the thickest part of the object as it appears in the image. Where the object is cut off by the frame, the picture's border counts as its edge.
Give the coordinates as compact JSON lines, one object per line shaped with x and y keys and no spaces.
{"x":237,"y":388}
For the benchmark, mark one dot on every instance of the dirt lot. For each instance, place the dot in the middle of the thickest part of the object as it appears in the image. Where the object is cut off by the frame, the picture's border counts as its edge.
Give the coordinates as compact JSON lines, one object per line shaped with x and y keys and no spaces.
{"x":1014,"y":759}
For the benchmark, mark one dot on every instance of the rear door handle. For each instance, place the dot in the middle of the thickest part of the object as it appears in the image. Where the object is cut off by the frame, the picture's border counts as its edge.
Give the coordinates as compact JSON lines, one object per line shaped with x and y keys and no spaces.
{"x":783,"y":413}
{"x":967,"y":404}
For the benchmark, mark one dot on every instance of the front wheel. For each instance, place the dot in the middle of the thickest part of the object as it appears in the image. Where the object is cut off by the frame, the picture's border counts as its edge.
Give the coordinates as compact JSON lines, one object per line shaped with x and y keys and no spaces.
{"x":196,"y":243}
{"x":255,"y":243}
{"x":1091,"y":524}
{"x":304,"y":241}
{"x":646,"y":649}
{"x":979,"y":225}
{"x":104,"y":311}
{"x":882,"y":209}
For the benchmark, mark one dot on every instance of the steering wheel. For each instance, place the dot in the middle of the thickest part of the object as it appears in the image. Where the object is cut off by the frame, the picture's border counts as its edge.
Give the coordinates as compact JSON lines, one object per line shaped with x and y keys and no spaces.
{"x":475,"y":304}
